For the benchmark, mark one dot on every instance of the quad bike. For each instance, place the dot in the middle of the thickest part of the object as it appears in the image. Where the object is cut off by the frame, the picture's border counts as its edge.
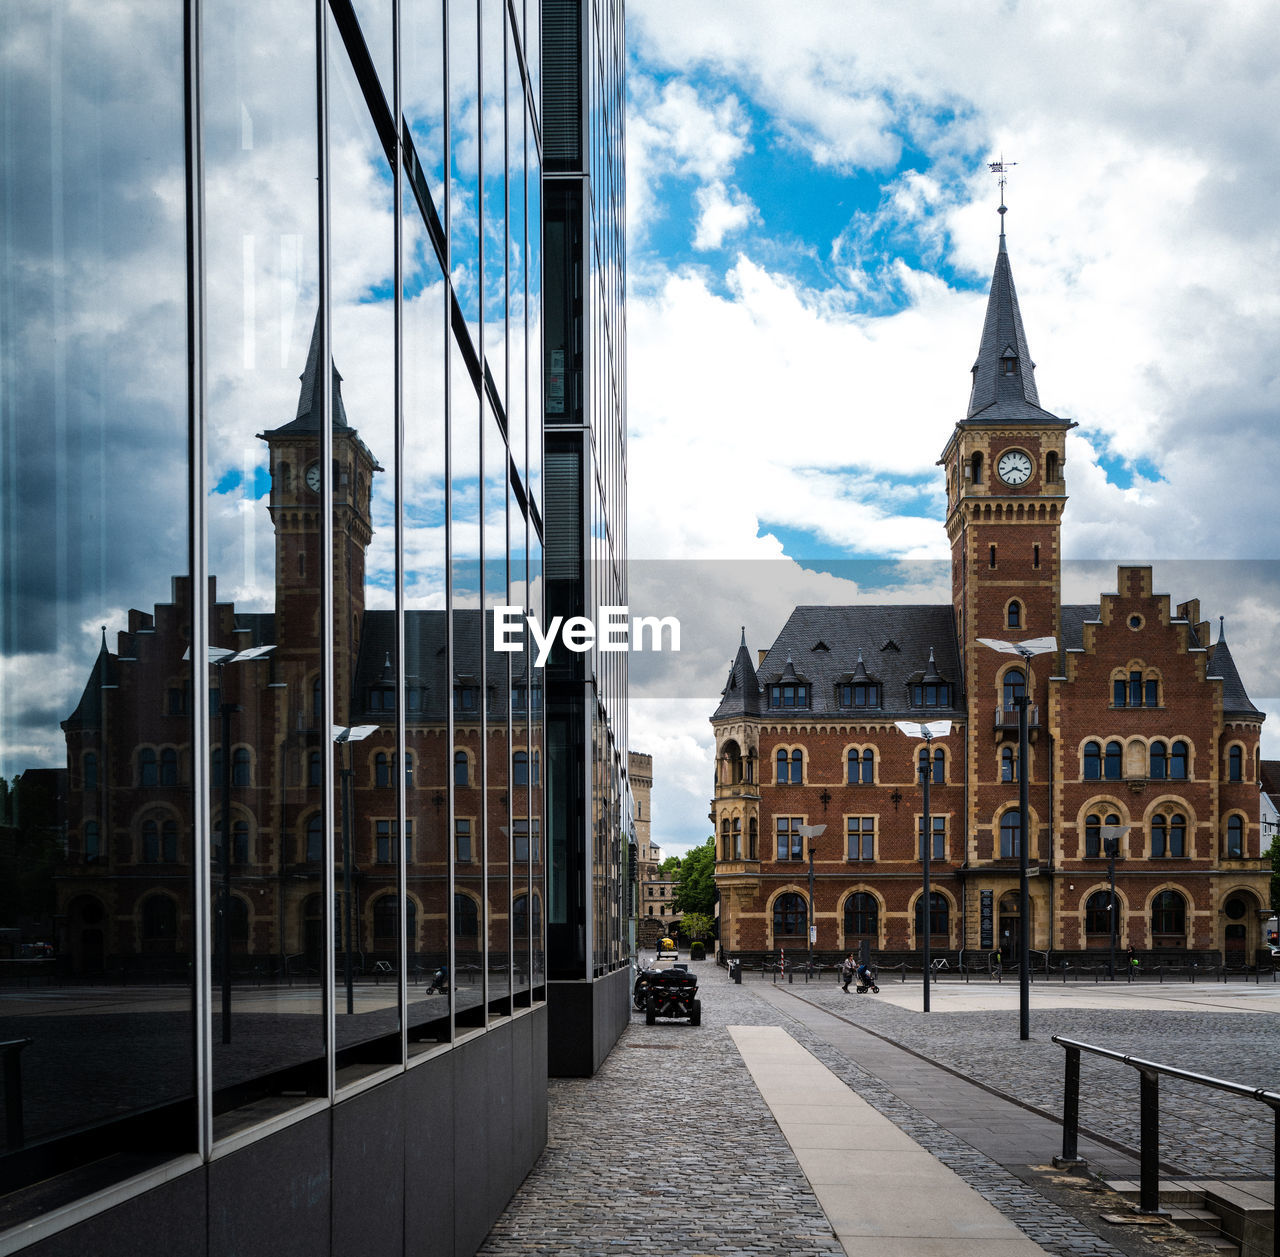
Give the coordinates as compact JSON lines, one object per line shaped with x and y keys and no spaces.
{"x":671,"y":993}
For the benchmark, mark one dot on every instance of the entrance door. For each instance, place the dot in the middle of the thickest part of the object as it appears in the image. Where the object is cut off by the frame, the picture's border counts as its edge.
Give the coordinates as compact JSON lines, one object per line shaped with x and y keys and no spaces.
{"x":1235,"y":938}
{"x":1235,"y":943}
{"x":1010,"y":929}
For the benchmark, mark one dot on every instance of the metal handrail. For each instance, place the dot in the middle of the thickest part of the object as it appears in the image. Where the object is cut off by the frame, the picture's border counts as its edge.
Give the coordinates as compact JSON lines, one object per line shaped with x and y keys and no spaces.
{"x":1149,"y":1112}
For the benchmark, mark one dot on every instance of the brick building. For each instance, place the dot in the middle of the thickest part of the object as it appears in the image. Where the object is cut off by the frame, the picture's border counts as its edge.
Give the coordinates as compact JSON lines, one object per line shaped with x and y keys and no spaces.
{"x":1137,"y":718}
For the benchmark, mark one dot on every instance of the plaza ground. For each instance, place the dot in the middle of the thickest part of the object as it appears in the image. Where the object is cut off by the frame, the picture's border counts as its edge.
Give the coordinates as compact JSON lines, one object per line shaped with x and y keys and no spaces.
{"x":800,"y":1119}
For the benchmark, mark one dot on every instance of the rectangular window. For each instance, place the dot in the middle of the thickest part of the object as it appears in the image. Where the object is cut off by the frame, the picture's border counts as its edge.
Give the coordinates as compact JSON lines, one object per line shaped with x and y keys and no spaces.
{"x":789,"y":696}
{"x":790,"y":841}
{"x":462,"y":838}
{"x":939,"y":824}
{"x":1119,"y":693}
{"x":1152,"y":698}
{"x":861,"y":834}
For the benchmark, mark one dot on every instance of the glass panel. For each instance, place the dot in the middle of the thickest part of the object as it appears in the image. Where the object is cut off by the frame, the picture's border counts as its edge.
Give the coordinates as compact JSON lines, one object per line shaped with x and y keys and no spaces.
{"x":533,"y":315}
{"x":427,"y":691}
{"x":422,"y":89}
{"x":375,"y":23}
{"x":537,"y":788}
{"x":497,"y":713}
{"x":93,"y":477}
{"x":468,"y":695}
{"x":368,"y":835}
{"x":494,"y":192}
{"x":265,"y":550}
{"x":464,"y":162}
{"x":517,"y":253}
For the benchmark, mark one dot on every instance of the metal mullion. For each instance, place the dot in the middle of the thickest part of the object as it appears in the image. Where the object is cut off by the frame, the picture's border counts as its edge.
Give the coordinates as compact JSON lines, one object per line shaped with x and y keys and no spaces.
{"x":324,"y":407}
{"x":447,"y":348}
{"x":481,"y":391}
{"x":198,"y":523}
{"x":402,"y":801}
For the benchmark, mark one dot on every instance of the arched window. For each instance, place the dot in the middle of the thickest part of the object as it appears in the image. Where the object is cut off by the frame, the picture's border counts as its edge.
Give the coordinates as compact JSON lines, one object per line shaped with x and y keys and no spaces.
{"x":1168,"y":835}
{"x":1235,"y":838}
{"x":1114,"y":761}
{"x":313,"y":768}
{"x":386,"y":921}
{"x":1008,"y":764}
{"x":783,"y":772}
{"x":461,"y":774}
{"x":797,"y":767}
{"x":169,"y":767}
{"x":381,"y":770}
{"x":1010,"y":834}
{"x":90,"y":771}
{"x":1159,"y":836}
{"x":789,"y":917}
{"x":753,"y":839}
{"x":92,"y":842}
{"x":726,"y":847}
{"x":148,"y":775}
{"x":466,"y":917}
{"x":1093,"y":837}
{"x":1235,"y":764}
{"x":520,"y":771}
{"x":1097,"y":914}
{"x":150,"y":842}
{"x":159,"y":920}
{"x":1015,"y":686}
{"x":862,"y":767}
{"x":169,"y":842}
{"x":861,"y":917}
{"x":1092,"y":761}
{"x":737,"y":837}
{"x":1051,"y":467}
{"x":1159,"y":762}
{"x":976,"y":463}
{"x":1168,"y":919}
{"x":1178,"y":762}
{"x":939,"y":765}
{"x":1014,"y":619}
{"x":315,"y":839}
{"x":240,"y":766}
{"x":939,"y":915}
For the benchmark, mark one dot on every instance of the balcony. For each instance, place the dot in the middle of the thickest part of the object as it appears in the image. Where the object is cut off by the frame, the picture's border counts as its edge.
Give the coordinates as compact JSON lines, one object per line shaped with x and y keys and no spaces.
{"x":1007,"y":719}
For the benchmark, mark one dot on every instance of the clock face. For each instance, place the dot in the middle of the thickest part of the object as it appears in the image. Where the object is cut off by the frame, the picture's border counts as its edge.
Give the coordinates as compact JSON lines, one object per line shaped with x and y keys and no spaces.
{"x":313,"y":477}
{"x":1014,"y":467}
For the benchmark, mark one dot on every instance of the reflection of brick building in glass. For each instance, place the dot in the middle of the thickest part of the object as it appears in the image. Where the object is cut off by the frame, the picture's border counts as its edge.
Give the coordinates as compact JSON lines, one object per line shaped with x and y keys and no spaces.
{"x":470,"y":810}
{"x":1137,"y":719}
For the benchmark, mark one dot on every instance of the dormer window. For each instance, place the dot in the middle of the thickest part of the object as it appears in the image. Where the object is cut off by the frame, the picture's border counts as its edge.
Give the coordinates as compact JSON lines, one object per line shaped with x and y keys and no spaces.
{"x":466,"y":698}
{"x":382,"y":698}
{"x":1009,"y":366}
{"x":789,"y":695}
{"x":931,"y":695}
{"x":863,"y":694}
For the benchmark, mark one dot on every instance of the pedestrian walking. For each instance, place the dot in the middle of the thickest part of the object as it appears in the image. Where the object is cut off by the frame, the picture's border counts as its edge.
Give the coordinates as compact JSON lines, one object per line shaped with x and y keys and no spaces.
{"x":848,"y":970}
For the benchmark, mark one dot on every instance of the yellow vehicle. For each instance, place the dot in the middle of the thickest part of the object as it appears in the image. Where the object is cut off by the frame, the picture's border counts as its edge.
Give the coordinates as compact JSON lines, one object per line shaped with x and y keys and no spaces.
{"x":667,"y":945}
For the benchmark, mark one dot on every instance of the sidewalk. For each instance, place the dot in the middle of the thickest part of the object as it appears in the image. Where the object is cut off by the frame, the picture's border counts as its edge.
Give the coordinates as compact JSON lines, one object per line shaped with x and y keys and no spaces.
{"x":782,"y":1126}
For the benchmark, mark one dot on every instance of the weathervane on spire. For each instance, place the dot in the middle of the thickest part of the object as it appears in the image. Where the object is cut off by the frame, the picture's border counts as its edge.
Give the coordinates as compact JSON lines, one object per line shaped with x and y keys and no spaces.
{"x":1001,"y":168}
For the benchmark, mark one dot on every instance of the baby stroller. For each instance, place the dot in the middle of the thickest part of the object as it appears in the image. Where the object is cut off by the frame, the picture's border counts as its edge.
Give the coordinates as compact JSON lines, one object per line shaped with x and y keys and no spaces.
{"x":866,"y":981}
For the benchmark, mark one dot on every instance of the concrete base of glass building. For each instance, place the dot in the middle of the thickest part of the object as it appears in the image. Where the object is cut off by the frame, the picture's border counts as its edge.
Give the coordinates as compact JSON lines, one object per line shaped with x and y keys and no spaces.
{"x":586,"y":1019}
{"x":423,"y":1163}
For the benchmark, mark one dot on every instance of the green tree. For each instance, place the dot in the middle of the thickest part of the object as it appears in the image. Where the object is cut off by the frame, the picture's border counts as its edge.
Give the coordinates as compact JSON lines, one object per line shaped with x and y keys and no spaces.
{"x":696,"y":926}
{"x":671,"y":865}
{"x":696,"y":891}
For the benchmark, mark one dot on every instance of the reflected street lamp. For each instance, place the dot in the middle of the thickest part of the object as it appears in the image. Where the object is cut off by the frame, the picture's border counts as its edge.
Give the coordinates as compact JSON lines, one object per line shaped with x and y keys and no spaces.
{"x":928,"y":730}
{"x":346,"y":735}
{"x":810,"y":832}
{"x":1111,"y":835}
{"x":1026,"y":651}
{"x":220,"y":657}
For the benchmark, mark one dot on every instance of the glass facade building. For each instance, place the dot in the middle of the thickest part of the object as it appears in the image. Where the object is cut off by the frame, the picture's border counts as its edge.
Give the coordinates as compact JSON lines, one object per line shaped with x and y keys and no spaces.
{"x":591,"y":869}
{"x":274,"y":892}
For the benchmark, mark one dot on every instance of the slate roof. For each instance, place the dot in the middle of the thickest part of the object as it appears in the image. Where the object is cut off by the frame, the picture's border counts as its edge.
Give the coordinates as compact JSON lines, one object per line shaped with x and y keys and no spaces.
{"x":424,"y":635}
{"x":1235,"y":702}
{"x":996,"y":396}
{"x":1270,"y":772}
{"x":741,"y":693}
{"x":103,"y":674}
{"x":895,"y":642}
{"x":306,"y":419}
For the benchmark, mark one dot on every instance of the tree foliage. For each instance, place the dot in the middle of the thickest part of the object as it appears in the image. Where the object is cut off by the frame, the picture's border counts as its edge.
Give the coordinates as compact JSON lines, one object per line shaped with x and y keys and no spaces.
{"x":1274,"y":854}
{"x":696,"y":926}
{"x":696,"y":890}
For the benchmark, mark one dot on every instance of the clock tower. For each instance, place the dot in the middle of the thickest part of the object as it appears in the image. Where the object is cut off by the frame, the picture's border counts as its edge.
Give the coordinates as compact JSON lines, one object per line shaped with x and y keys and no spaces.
{"x":296,"y":503}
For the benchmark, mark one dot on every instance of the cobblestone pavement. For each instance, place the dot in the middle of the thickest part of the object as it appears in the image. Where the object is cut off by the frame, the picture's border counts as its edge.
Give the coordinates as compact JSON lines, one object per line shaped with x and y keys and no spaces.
{"x":668,"y":1150}
{"x":1204,"y":1133}
{"x":670,"y":1147}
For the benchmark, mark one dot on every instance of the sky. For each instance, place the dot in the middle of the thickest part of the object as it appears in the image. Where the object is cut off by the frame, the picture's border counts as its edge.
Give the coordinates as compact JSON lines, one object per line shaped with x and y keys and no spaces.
{"x":812,"y":228}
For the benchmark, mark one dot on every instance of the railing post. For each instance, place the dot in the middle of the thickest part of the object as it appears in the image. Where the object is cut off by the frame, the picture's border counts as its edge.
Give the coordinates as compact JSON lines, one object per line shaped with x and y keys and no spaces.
{"x":1071,"y":1107}
{"x":1149,"y":1142}
{"x":1275,"y":1220}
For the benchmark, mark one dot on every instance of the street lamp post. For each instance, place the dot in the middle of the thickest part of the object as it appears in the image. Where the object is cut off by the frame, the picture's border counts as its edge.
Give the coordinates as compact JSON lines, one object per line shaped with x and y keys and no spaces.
{"x":1026,"y":651}
{"x":809,"y":833}
{"x":1111,"y":835}
{"x":220,"y":656}
{"x":928,"y":731}
{"x":346,"y":735}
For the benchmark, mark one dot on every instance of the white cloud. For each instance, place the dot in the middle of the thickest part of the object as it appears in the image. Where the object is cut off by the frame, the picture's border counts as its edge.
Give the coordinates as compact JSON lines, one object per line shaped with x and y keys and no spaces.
{"x":723,"y":211}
